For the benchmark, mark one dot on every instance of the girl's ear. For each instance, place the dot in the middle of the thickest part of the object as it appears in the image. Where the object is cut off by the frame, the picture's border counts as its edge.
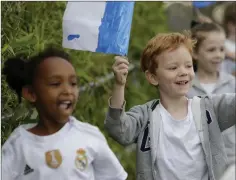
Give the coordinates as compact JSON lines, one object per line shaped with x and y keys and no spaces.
{"x":151,"y":78}
{"x":195,"y":56}
{"x":28,"y":94}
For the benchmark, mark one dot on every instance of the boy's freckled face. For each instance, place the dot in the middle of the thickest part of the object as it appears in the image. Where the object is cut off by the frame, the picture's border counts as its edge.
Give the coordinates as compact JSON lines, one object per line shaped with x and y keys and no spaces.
{"x":175,"y":72}
{"x":56,"y":89}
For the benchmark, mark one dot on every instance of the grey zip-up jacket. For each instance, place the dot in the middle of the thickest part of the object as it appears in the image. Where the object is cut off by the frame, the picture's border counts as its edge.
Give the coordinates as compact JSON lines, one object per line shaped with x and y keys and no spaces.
{"x":225,"y":84}
{"x":137,"y":126}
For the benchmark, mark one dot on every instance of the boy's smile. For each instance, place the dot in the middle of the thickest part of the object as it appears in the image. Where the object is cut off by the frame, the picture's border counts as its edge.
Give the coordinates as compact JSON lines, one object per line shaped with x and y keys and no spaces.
{"x":182,"y":83}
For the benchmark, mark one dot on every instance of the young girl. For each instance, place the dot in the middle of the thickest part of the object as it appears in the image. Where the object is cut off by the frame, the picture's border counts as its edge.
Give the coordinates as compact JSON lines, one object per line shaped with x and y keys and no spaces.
{"x":58,"y":146}
{"x":208,"y":55}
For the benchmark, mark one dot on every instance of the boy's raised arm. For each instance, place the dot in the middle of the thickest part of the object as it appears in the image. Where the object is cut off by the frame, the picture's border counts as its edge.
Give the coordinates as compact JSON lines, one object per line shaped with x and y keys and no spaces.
{"x":122,"y":126}
{"x":120,"y":69}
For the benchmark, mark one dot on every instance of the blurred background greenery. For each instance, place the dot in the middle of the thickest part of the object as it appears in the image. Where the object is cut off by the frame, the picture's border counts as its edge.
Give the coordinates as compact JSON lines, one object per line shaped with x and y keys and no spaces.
{"x":28,"y":27}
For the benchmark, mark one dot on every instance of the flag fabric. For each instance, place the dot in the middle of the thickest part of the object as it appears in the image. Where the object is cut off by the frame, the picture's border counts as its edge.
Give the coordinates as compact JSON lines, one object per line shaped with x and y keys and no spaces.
{"x":202,"y":4}
{"x":98,"y":26}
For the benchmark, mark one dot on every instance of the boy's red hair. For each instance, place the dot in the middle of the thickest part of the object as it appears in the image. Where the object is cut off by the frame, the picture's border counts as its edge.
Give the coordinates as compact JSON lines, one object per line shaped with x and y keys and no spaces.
{"x":161,"y":43}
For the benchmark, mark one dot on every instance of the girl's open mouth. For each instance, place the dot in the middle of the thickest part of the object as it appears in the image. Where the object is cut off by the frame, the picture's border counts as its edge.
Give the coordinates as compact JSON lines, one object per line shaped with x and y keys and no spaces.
{"x":65,"y":105}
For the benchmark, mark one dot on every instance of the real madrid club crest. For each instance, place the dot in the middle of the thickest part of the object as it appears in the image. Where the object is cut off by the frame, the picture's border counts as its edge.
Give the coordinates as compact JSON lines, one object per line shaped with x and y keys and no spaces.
{"x":53,"y":158}
{"x":81,"y":160}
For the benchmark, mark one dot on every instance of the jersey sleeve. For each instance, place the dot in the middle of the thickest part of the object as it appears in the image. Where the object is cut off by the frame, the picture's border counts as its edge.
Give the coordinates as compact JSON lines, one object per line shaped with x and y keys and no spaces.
{"x":8,"y":161}
{"x":106,"y":164}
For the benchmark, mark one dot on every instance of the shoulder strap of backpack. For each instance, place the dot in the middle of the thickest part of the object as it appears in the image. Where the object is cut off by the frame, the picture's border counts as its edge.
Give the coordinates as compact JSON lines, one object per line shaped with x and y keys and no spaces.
{"x":196,"y":110}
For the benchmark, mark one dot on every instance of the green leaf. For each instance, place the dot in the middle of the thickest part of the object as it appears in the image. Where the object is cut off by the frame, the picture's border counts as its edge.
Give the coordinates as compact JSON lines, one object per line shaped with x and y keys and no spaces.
{"x":5,"y":48}
{"x":25,"y":39}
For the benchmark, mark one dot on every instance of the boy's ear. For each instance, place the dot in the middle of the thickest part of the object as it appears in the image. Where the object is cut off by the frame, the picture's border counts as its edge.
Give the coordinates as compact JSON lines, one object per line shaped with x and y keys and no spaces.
{"x":152,"y":79}
{"x":28,"y":94}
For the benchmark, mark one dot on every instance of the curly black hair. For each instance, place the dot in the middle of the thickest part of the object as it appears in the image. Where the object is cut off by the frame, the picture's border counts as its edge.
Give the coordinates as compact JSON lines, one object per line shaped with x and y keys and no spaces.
{"x":20,"y":71}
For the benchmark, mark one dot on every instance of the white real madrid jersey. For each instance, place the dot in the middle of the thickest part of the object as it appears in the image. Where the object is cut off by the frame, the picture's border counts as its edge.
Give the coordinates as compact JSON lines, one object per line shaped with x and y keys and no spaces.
{"x":78,"y":151}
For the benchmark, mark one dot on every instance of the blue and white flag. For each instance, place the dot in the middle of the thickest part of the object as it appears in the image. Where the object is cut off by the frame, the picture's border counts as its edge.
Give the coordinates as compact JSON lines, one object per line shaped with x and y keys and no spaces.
{"x":202,"y":4}
{"x":98,"y":26}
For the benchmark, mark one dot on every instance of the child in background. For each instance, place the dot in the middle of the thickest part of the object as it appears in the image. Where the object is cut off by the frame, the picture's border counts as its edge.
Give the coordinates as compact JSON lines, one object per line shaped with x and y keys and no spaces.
{"x":58,"y":146}
{"x":177,"y":138}
{"x":208,"y":55}
{"x":229,"y":21}
{"x":209,"y":52}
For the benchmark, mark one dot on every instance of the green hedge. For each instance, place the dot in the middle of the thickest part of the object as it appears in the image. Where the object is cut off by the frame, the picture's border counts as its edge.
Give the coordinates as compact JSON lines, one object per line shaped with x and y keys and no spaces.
{"x":28,"y":27}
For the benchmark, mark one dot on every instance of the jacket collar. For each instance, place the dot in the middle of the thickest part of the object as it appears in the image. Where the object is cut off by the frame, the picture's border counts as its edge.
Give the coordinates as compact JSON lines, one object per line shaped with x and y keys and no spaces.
{"x":223,"y":79}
